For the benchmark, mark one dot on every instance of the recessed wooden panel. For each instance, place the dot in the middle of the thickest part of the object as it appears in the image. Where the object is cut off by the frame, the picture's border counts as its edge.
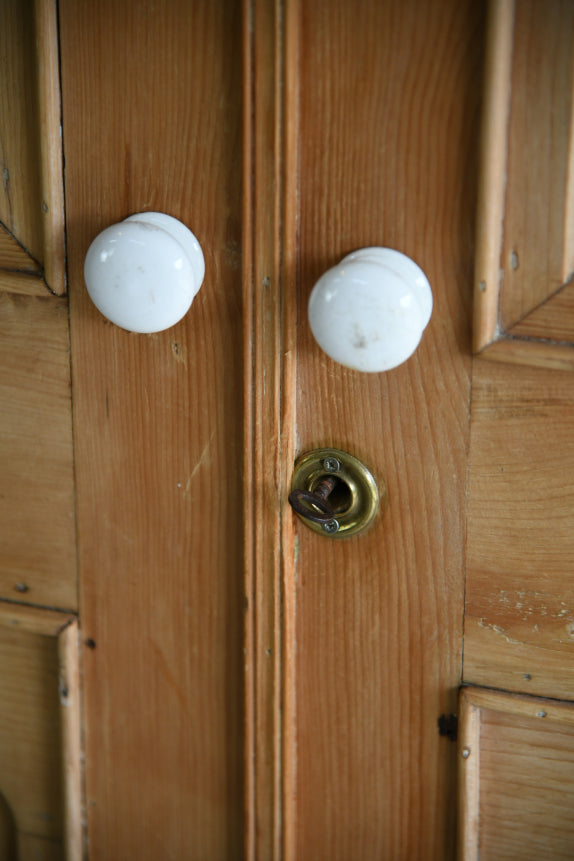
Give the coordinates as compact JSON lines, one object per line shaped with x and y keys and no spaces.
{"x":553,"y":317}
{"x":41,"y":808}
{"x":37,"y":528}
{"x":152,"y":110}
{"x":31,"y":198}
{"x":519,"y":621}
{"x":13,"y":256}
{"x":387,"y":149}
{"x":32,"y":848}
{"x":30,"y":745}
{"x":525,"y":229}
{"x":20,"y":127}
{"x":536,"y":247}
{"x":24,"y":283}
{"x":516,"y":767}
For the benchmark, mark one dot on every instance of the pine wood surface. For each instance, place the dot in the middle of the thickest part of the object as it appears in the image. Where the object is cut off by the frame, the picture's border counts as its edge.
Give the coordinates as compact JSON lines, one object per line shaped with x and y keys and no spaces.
{"x":19,"y":282}
{"x":30,"y":746}
{"x":262,"y":451}
{"x":352,"y":649}
{"x":525,"y":226}
{"x":519,"y":618}
{"x":516,"y":761}
{"x":387,"y":157}
{"x":37,"y":527}
{"x":20,"y":206}
{"x":13,"y":256}
{"x":41,"y":744}
{"x":31,"y":848}
{"x":536,"y":247}
{"x":553,"y":319}
{"x":152,"y":111}
{"x":71,"y":734}
{"x":497,"y":83}
{"x":468,"y":786}
{"x":34,"y":620}
{"x":50,"y":194}
{"x":8,"y":838}
{"x":270,"y":88}
{"x":31,"y":200}
{"x":523,"y":351}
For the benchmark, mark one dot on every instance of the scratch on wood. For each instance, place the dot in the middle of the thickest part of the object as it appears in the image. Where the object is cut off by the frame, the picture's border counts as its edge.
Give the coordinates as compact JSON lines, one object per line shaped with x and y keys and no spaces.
{"x":499,"y":630}
{"x":199,"y":464}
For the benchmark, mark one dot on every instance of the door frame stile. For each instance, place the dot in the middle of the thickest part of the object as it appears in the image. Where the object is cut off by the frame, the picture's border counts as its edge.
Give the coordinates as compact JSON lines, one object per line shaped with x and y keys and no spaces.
{"x":270,"y":215}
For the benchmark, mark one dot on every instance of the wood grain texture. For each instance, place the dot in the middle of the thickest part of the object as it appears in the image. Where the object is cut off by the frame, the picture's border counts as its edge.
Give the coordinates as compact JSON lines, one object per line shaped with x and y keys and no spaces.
{"x":522,"y":351}
{"x":14,"y":256}
{"x":34,"y":620}
{"x":20,"y":206}
{"x":50,"y":195}
{"x":26,"y":285}
{"x":492,"y":175}
{"x":8,"y":839}
{"x":262,"y":53}
{"x":520,"y":751}
{"x":290,"y":175}
{"x":32,"y":848}
{"x":519,"y":620}
{"x":525,"y":220}
{"x":72,"y":754}
{"x":53,"y":633}
{"x":269,"y":225}
{"x":387,"y":158}
{"x":553,"y":319}
{"x":468,"y":789}
{"x":30,"y":748}
{"x":152,"y":112}
{"x":37,"y":527}
{"x":535,"y":241}
{"x":32,"y":198}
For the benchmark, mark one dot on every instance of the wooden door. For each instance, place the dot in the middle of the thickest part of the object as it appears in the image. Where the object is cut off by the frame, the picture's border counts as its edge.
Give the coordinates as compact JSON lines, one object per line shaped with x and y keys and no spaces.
{"x":251,"y":688}
{"x":516,"y":762}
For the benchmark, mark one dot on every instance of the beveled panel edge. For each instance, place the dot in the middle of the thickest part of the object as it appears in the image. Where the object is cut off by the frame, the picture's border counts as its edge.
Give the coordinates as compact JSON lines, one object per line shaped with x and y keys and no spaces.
{"x":526,"y":351}
{"x":492,"y":178}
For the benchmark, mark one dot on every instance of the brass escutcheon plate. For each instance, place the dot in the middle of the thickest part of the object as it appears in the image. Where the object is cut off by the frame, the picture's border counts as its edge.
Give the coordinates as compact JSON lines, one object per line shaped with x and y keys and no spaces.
{"x":356,"y":499}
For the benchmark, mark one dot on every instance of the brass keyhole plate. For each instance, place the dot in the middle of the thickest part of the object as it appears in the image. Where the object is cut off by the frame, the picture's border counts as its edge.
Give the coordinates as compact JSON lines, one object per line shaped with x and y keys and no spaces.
{"x":356,"y":497}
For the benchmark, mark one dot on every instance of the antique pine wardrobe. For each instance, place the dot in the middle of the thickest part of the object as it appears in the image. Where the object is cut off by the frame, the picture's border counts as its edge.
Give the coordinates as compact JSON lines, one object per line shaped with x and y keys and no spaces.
{"x":188,"y":671}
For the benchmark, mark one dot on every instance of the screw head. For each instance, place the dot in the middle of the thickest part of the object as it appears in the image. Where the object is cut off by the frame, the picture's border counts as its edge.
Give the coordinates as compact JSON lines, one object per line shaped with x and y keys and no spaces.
{"x":331,"y":464}
{"x":331,"y":527}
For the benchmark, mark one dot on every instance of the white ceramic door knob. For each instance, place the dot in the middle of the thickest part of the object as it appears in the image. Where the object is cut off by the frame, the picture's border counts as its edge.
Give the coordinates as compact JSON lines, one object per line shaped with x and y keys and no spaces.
{"x":143,"y":273}
{"x":370,"y":311}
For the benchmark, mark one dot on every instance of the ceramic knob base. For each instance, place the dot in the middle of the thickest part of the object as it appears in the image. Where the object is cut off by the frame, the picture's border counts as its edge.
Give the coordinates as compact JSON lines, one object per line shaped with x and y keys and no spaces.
{"x":143,"y":273}
{"x":369,"y":312}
